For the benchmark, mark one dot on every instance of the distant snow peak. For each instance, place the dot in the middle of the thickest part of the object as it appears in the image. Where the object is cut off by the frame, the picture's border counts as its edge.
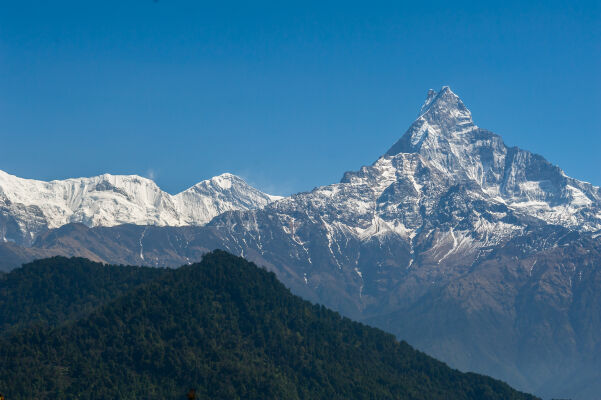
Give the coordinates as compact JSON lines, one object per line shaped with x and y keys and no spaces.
{"x":225,"y":180}
{"x":445,"y":183}
{"x":443,"y":117}
{"x":28,"y":207}
{"x":444,"y":101}
{"x":429,"y":98}
{"x":445,"y":110}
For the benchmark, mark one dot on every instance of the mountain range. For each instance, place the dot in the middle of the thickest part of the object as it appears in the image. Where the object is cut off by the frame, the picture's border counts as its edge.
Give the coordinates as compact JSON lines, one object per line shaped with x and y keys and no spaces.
{"x":483,"y":255}
{"x":29,"y":207}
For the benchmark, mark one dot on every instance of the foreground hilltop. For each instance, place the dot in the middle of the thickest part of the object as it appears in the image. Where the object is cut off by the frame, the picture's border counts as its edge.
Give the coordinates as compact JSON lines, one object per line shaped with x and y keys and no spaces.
{"x":223,"y":326}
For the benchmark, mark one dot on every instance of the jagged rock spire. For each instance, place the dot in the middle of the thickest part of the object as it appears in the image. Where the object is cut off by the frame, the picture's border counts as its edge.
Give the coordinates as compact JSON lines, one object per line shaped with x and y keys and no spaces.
{"x":442,"y":114}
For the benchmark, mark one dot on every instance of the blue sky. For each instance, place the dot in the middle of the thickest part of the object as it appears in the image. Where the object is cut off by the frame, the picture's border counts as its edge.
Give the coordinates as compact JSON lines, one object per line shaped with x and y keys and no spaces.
{"x":287,"y":95}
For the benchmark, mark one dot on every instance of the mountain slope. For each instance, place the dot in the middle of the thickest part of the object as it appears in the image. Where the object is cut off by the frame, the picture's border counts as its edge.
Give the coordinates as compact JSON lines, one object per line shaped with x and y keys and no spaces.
{"x":532,"y":319}
{"x":232,"y":331}
{"x":29,"y":207}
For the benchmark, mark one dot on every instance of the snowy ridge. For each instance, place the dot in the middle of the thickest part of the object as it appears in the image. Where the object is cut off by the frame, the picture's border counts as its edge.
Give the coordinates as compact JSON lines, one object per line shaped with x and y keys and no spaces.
{"x":446,"y":138}
{"x":28,"y":207}
{"x":445,"y":178}
{"x":447,"y":189}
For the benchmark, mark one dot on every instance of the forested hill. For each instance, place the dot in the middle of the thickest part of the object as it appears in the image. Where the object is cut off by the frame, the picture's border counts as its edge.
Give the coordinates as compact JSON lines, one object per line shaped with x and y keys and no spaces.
{"x":54,"y":290}
{"x":231,"y":331}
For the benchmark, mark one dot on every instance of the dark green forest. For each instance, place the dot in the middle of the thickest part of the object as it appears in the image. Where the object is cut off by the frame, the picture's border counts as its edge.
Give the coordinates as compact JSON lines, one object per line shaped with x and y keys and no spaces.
{"x":73,"y":329}
{"x":58,"y":289}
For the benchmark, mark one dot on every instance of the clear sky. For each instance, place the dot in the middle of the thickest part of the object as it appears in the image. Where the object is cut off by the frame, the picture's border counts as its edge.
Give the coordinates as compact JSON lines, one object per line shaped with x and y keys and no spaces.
{"x":287,"y":95}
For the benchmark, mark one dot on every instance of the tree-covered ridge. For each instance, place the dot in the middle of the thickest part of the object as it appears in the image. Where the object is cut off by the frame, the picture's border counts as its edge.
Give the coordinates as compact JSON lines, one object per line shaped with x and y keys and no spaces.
{"x":232,"y":331}
{"x":54,"y":290}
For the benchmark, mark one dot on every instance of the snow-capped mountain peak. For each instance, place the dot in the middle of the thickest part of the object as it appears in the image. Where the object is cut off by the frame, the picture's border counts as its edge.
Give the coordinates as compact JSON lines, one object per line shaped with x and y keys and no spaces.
{"x":444,"y":104}
{"x":446,"y":185}
{"x":443,"y":118}
{"x":447,"y":140}
{"x":431,"y":95}
{"x":225,"y":192}
{"x":29,"y":207}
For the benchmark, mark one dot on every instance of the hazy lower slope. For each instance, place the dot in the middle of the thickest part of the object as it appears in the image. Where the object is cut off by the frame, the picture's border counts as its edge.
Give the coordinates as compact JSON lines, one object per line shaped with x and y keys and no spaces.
{"x":232,"y":331}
